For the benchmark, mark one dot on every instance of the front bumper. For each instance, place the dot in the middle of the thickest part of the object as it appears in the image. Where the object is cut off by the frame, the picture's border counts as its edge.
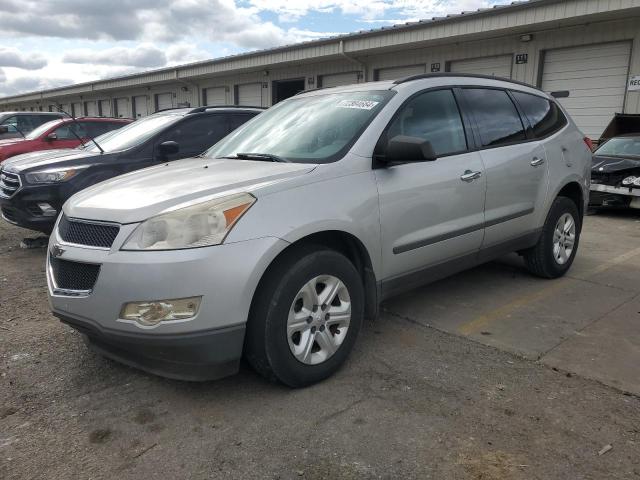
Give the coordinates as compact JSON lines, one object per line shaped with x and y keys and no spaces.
{"x":22,"y":208}
{"x":204,"y":347}
{"x":608,"y":195}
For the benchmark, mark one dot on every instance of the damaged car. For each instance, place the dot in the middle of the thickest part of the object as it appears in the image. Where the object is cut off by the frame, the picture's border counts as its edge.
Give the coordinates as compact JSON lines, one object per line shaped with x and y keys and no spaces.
{"x":615,"y":174}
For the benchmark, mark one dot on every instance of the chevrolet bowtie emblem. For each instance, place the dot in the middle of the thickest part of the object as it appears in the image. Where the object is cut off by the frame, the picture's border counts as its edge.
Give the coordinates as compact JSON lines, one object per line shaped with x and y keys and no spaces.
{"x":57,"y":250}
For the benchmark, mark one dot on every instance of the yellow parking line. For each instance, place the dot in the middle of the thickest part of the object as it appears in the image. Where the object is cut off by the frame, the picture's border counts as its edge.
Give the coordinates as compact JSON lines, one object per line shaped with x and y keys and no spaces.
{"x":480,"y":323}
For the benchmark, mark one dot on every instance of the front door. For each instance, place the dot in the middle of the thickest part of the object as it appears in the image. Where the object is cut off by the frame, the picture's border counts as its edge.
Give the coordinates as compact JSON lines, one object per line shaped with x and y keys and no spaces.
{"x":431,"y":211}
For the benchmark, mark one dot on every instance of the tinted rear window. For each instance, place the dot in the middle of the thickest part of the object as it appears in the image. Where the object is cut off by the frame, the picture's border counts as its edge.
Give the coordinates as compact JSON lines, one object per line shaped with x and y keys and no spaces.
{"x":544,"y":116}
{"x":496,"y":115}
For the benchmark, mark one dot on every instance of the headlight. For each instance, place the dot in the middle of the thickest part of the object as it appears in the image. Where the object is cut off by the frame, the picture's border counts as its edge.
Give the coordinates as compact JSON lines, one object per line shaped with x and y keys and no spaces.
{"x":200,"y":225}
{"x":53,"y":176}
{"x":636,"y":182}
{"x":628,"y":181}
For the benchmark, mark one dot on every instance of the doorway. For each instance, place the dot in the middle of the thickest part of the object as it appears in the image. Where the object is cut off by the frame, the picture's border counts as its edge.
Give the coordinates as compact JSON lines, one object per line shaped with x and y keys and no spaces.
{"x":283,"y":89}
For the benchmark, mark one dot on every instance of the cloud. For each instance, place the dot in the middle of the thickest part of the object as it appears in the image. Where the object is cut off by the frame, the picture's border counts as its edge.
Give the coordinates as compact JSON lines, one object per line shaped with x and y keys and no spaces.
{"x":3,"y":77}
{"x":26,"y":84}
{"x":11,"y":57}
{"x":143,"y":20}
{"x":143,"y":56}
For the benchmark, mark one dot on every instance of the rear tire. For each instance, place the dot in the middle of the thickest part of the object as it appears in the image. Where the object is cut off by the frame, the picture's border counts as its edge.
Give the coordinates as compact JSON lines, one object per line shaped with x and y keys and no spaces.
{"x":287,"y":339}
{"x":553,"y":255}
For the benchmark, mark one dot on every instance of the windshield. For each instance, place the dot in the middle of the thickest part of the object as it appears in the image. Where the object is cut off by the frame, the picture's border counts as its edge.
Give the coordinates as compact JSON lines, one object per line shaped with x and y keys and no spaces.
{"x":134,"y":133}
{"x":36,"y":132}
{"x":313,"y":129}
{"x":621,"y":147}
{"x":99,"y":139}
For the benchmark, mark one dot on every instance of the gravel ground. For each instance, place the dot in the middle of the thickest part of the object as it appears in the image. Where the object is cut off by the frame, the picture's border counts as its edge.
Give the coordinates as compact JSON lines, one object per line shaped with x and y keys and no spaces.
{"x":412,"y":402}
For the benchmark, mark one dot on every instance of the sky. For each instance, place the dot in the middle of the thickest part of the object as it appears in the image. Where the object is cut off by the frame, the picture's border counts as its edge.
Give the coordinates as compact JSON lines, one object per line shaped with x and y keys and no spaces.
{"x":51,"y":43}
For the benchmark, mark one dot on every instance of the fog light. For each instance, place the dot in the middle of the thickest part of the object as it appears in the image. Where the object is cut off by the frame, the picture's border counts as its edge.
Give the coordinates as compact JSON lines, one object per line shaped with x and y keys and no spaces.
{"x":47,"y":210}
{"x":628,"y":180}
{"x":149,"y":314}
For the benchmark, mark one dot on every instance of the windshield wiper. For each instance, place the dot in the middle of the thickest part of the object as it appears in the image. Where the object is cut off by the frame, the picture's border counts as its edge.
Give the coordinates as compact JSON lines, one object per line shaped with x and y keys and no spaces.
{"x":261,"y":156}
{"x":75,"y":134}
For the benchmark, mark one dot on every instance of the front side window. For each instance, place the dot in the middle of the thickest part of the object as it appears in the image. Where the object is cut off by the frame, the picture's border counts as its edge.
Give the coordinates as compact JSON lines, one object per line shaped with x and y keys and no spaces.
{"x":432,"y":116}
{"x":496,"y":116}
{"x":195,"y":135}
{"x":544,"y":116}
{"x":620,"y":147}
{"x":308,"y":129}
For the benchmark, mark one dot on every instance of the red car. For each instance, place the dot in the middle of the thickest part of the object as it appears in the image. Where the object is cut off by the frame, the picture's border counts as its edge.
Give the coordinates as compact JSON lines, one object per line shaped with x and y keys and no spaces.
{"x":59,"y":134}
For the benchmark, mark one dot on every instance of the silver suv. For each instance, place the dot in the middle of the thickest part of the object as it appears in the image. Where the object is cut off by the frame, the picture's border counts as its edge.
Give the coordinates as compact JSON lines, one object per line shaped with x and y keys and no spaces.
{"x":277,"y":242}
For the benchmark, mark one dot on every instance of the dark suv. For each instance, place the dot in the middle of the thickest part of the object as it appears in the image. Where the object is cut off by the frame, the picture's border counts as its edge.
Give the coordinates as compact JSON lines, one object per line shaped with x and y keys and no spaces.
{"x":34,"y":186}
{"x":18,"y":124}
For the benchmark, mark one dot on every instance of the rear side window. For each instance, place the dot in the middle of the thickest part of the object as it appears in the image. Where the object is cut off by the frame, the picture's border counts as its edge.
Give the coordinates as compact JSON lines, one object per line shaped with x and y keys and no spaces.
{"x":432,"y":116}
{"x":235,"y":120}
{"x":497,"y":117}
{"x":98,"y":128}
{"x":544,"y":116}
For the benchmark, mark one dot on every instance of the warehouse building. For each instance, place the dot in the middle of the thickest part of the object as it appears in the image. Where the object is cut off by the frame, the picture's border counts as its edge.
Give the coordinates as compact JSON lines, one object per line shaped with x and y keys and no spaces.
{"x":590,"y":48}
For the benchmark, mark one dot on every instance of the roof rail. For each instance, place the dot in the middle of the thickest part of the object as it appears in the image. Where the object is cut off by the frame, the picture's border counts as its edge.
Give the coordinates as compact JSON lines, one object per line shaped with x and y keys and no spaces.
{"x":206,"y":107}
{"x":466,"y":75}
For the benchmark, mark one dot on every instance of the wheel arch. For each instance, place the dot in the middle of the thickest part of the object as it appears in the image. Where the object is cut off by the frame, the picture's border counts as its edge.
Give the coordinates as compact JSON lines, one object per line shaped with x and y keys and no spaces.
{"x":574,"y":191}
{"x":351,"y":247}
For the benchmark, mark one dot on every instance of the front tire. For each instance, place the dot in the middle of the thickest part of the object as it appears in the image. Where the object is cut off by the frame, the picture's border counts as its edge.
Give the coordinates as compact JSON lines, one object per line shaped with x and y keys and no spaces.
{"x":305,"y":317}
{"x":556,"y":249}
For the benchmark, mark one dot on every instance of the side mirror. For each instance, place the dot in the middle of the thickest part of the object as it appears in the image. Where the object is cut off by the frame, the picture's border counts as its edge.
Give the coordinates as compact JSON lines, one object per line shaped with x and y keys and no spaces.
{"x":168,"y":148}
{"x":4,"y":129}
{"x":51,"y":137}
{"x":403,"y":148}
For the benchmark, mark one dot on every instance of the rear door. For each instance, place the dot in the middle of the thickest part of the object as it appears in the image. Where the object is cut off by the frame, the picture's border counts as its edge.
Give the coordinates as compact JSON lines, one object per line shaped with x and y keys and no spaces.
{"x":431,"y":212}
{"x":515,"y":165}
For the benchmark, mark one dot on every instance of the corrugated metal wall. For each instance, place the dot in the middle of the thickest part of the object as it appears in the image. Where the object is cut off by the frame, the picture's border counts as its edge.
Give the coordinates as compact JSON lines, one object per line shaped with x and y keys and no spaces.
{"x":392,"y":48}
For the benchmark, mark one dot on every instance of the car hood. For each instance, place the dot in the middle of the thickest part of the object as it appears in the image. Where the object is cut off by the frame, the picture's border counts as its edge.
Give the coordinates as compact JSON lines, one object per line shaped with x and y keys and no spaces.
{"x":139,"y":195}
{"x":12,"y":141}
{"x":43,"y":158}
{"x":603,"y":164}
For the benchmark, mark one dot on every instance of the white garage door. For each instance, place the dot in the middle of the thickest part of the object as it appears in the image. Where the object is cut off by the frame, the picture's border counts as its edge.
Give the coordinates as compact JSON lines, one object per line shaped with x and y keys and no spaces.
{"x":105,"y":108}
{"x":140,"y":106}
{"x":76,"y":109}
{"x":596,"y":78}
{"x":122,"y":108}
{"x":215,"y":96}
{"x":250,"y":94}
{"x":499,"y":66}
{"x":91,"y":108}
{"x":338,"y":79}
{"x":164,"y":101}
{"x":400,"y":72}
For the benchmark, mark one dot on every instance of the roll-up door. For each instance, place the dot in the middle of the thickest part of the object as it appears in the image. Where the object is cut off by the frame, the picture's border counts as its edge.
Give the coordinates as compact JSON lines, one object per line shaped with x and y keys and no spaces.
{"x":76,"y":109}
{"x":215,"y":96}
{"x":498,"y":66}
{"x":140,"y":107}
{"x":250,"y":94}
{"x":399,"y":72}
{"x":337,"y":79}
{"x":596,"y":78}
{"x":105,"y":108}
{"x":164,"y":101}
{"x":122,"y":108}
{"x":91,"y":108}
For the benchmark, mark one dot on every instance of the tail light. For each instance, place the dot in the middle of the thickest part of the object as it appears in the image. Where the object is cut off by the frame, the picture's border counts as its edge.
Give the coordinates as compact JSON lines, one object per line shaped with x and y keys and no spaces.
{"x":589,"y":143}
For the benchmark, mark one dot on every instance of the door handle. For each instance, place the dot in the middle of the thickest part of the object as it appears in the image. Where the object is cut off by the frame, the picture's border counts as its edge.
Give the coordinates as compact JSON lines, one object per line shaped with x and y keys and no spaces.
{"x":536,"y":162}
{"x":469,"y":176}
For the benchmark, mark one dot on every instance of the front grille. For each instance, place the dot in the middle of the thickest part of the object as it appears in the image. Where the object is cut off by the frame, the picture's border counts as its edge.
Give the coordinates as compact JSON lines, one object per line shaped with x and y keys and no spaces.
{"x":9,"y":184}
{"x":73,"y":275}
{"x":87,"y":233}
{"x":9,"y":214}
